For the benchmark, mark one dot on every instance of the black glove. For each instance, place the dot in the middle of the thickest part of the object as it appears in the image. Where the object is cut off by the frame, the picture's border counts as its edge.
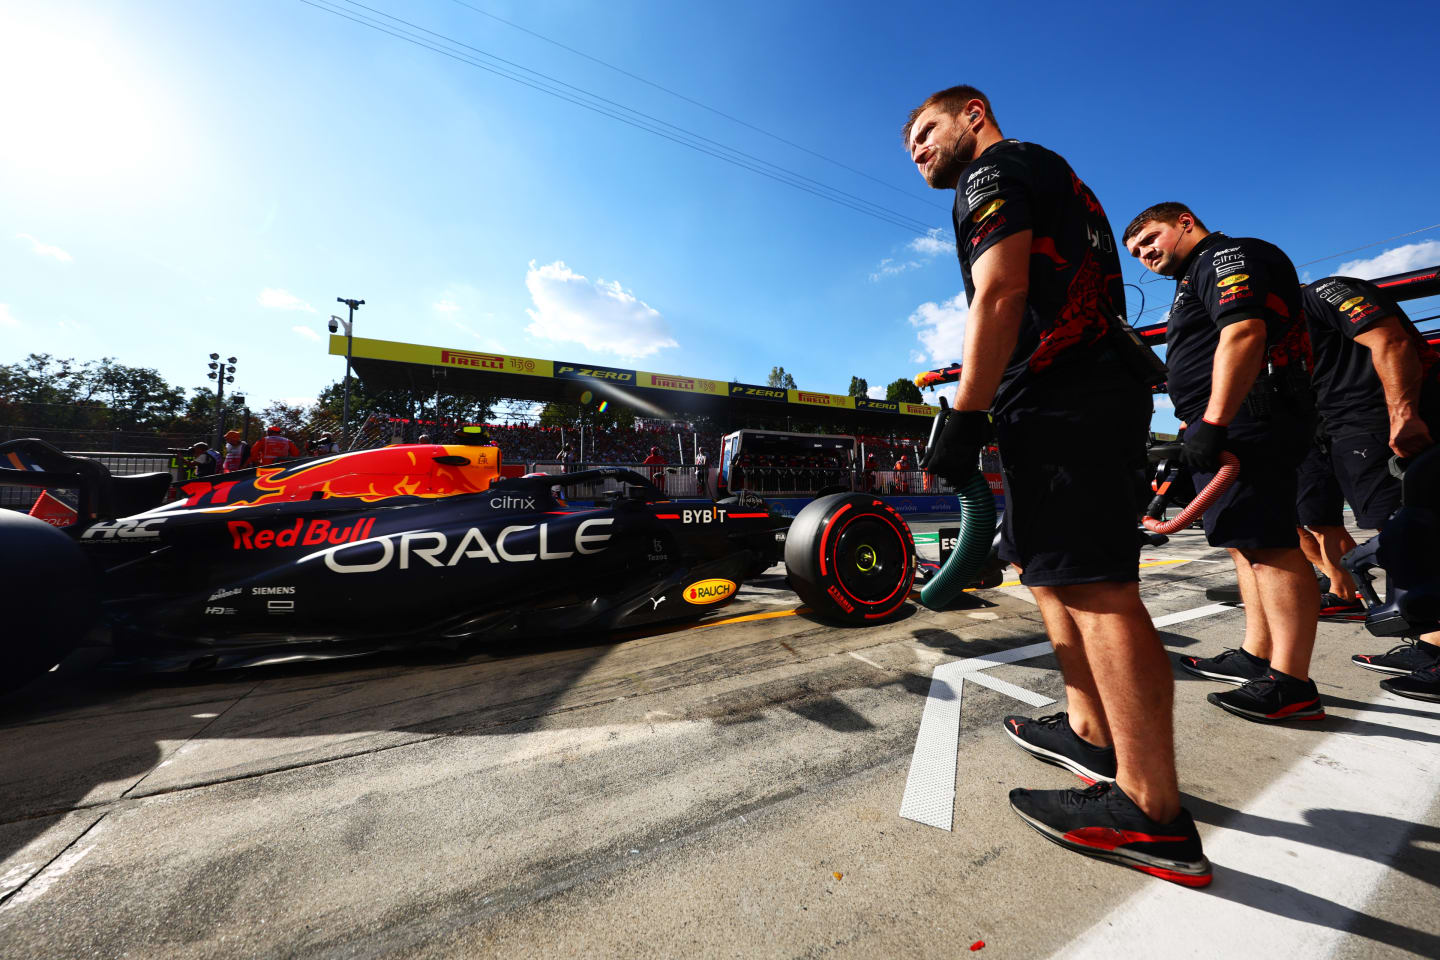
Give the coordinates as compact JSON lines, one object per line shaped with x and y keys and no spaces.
{"x":1203,"y":443}
{"x":955,"y":454}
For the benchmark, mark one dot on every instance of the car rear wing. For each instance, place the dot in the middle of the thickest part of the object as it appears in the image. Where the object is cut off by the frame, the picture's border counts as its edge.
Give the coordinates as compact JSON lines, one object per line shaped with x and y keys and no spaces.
{"x":30,"y":462}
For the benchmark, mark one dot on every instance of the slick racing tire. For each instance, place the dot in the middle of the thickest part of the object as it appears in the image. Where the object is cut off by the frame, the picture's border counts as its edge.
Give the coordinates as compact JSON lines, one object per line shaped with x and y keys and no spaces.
{"x":850,"y":558}
{"x":48,"y":597}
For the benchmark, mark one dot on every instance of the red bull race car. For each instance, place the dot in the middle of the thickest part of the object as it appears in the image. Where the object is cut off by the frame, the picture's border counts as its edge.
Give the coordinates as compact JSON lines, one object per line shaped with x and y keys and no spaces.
{"x":395,"y":547}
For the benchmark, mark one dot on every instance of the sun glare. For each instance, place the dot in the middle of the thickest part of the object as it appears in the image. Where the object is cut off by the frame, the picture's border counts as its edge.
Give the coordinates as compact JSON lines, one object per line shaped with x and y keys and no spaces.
{"x":79,"y":107}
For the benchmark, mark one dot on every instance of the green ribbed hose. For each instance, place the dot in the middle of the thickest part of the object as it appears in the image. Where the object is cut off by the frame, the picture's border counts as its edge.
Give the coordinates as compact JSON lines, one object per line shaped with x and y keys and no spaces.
{"x":977,"y":531}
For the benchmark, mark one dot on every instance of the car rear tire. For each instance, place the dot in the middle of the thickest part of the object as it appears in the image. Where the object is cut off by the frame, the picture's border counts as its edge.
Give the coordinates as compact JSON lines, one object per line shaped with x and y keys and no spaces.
{"x":48,"y":595}
{"x":850,"y":558}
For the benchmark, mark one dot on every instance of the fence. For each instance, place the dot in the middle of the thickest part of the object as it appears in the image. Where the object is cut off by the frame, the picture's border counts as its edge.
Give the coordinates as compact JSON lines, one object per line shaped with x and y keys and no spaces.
{"x":118,"y":462}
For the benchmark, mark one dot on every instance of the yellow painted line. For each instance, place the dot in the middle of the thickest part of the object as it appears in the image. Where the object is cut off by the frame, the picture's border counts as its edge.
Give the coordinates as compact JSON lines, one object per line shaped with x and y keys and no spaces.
{"x":772,"y":615}
{"x":777,"y":614}
{"x":1152,"y":563}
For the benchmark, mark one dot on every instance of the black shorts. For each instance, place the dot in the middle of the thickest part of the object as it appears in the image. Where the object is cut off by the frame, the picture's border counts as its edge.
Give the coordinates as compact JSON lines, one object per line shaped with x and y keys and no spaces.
{"x":1258,"y":511}
{"x":1318,"y":500}
{"x":1073,"y":488}
{"x":1362,"y":465}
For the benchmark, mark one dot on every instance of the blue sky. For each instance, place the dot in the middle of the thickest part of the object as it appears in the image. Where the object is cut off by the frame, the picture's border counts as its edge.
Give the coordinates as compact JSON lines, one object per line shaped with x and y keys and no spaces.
{"x":181,"y":177}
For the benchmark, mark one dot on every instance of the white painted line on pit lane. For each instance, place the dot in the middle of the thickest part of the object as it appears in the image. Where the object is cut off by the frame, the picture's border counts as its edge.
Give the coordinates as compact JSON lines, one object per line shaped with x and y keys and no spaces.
{"x":929,"y":796}
{"x":1195,"y":614}
{"x":867,"y":660}
{"x":56,"y":869}
{"x":1296,"y":869}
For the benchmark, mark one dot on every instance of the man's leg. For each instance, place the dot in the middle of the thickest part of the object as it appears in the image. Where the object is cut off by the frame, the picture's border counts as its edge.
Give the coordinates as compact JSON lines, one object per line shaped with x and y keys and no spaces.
{"x":1082,"y":703}
{"x":1133,"y":678}
{"x":1332,"y":543}
{"x":1257,"y":628}
{"x":1288,"y":597}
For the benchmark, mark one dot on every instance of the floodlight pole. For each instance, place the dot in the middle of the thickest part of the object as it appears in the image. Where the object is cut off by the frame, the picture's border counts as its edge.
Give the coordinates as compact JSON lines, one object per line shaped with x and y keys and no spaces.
{"x":349,"y":344}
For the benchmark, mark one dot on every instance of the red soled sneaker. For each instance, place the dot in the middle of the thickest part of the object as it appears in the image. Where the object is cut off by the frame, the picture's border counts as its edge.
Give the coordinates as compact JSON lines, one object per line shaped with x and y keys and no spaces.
{"x":1423,"y":684}
{"x":1051,"y":740}
{"x":1228,"y":666}
{"x":1400,"y":660}
{"x":1101,"y":821}
{"x":1274,"y":698}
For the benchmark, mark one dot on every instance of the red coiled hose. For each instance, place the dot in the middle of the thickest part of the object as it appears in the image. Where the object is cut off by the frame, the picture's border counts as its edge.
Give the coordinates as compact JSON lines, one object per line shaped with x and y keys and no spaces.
{"x":1224,"y":477}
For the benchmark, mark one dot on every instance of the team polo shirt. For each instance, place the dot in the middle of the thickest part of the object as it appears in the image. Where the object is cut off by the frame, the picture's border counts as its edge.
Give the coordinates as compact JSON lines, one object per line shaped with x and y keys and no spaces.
{"x":1225,"y":280}
{"x":1348,"y":393}
{"x":1075,"y":282}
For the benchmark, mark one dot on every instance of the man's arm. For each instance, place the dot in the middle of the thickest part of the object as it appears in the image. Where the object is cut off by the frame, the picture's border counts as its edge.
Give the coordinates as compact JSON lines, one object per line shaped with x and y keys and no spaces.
{"x":1238,"y":360}
{"x":1002,"y":282}
{"x":1398,"y":366}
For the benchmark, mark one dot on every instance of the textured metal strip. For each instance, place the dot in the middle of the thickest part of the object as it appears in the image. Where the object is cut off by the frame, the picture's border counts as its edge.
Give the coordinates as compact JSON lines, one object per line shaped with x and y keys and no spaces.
{"x":930,"y":788}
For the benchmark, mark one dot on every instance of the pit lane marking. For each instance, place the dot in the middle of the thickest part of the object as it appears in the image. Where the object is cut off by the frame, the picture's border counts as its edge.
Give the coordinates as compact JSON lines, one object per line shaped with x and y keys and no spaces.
{"x":929,"y":796}
{"x":1295,"y":869}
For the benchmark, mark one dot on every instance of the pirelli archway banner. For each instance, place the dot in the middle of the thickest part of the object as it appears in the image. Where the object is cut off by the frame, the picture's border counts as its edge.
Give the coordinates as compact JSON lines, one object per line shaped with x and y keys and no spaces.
{"x":503,"y":366}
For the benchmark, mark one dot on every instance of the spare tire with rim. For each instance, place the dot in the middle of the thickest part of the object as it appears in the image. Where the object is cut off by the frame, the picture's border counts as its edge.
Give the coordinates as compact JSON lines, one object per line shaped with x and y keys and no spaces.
{"x":850,"y":558}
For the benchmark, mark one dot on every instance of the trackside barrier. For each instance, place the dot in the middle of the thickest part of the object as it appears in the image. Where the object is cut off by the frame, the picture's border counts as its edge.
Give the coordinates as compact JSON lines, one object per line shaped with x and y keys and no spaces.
{"x":677,"y":481}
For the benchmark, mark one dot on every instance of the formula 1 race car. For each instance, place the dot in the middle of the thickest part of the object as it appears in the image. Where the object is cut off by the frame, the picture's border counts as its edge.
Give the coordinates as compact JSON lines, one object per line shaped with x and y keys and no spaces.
{"x":396,"y":547}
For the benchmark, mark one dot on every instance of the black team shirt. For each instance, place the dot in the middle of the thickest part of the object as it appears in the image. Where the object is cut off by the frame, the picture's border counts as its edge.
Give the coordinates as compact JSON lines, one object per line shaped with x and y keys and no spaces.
{"x":1226,"y":280}
{"x":1075,"y":283}
{"x":1348,"y":392}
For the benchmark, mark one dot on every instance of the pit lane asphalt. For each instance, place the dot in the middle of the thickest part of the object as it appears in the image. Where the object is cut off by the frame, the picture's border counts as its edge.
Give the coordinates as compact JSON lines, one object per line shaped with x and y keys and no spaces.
{"x":721,"y":790}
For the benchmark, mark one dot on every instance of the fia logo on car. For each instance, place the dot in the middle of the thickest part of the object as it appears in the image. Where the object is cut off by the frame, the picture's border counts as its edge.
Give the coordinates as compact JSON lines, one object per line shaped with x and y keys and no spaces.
{"x":704,"y":592}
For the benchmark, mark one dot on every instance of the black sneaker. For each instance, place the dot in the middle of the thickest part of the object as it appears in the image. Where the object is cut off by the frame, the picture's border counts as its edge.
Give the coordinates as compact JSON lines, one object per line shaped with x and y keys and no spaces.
{"x":1273,"y":698}
{"x":1228,"y":666}
{"x":1101,"y":821}
{"x":1423,"y":684}
{"x":1330,"y":604}
{"x":1402,"y":660}
{"x":1050,"y":739}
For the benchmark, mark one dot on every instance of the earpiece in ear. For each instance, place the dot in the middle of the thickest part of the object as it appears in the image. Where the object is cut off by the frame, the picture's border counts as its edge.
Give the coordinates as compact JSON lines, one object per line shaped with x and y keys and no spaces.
{"x":974,"y":116}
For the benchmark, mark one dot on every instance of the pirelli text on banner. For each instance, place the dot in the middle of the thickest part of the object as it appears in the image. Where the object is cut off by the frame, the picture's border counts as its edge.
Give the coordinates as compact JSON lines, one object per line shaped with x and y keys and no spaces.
{"x":665,"y":381}
{"x":484,"y":361}
{"x":918,"y":409}
{"x":833,"y":400}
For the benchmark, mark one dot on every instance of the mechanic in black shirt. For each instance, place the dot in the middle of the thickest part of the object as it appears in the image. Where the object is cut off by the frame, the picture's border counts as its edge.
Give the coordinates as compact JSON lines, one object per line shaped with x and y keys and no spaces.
{"x":1377,"y":384}
{"x":1042,"y":275}
{"x":1238,"y":352}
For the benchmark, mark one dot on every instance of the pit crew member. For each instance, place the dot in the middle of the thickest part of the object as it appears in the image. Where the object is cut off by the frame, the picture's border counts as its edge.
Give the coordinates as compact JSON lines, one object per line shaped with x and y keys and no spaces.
{"x":1377,"y":384}
{"x":1237,"y":350}
{"x":1042,"y":274}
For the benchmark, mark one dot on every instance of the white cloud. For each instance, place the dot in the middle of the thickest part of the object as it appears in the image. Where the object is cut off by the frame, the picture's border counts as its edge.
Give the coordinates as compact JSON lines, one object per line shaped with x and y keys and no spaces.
{"x":875,"y":393}
{"x":928,"y":246}
{"x":941,"y":329}
{"x":600,"y":314}
{"x":7,"y":319}
{"x":933,"y":244}
{"x":1163,"y":402}
{"x":306,"y":332}
{"x":916,"y":356}
{"x":1411,"y":256}
{"x":46,"y":249}
{"x":446,"y":306}
{"x":889,"y":267}
{"x":283,"y":300}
